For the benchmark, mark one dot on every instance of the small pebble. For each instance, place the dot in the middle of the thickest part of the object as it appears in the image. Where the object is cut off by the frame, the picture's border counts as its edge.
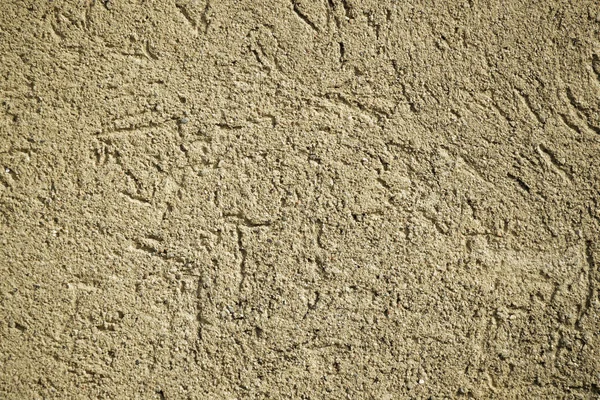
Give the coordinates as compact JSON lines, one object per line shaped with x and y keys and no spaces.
{"x":184,"y":121}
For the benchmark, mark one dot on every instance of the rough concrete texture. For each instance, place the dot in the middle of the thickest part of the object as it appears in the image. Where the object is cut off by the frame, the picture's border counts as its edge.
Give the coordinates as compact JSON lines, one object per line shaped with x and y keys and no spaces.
{"x":309,"y":199}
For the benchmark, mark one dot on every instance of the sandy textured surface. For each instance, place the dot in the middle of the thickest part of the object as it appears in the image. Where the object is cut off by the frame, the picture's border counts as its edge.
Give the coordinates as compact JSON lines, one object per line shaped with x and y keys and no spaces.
{"x":310,"y":199}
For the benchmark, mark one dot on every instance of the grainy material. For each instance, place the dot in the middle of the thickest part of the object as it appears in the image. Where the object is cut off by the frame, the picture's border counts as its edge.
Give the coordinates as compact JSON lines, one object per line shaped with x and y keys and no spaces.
{"x":309,"y":199}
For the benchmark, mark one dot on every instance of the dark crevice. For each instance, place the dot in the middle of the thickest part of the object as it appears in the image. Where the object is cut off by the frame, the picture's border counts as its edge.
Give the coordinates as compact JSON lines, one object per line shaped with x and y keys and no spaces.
{"x":243,"y":255}
{"x":520,"y":182}
{"x":303,"y":16}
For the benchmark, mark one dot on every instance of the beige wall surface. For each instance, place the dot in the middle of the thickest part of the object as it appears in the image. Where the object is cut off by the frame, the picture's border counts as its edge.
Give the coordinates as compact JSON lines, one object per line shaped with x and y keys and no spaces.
{"x":299,"y":199}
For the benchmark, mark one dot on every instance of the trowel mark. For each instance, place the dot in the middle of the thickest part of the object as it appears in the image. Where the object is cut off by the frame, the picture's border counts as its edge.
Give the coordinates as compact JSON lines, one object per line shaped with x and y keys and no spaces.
{"x":526,"y":101}
{"x":331,"y":13}
{"x":57,"y":35}
{"x":580,"y":110}
{"x":243,"y":255}
{"x":346,"y":8}
{"x":204,"y":16}
{"x":148,"y":53}
{"x":468,"y":166}
{"x":570,"y":124}
{"x":135,"y":129}
{"x":134,"y":198}
{"x":186,"y":14}
{"x":303,"y":16}
{"x":525,"y":187}
{"x":239,"y":219}
{"x":192,"y":21}
{"x":591,"y":267}
{"x":596,"y":66}
{"x":553,"y":162}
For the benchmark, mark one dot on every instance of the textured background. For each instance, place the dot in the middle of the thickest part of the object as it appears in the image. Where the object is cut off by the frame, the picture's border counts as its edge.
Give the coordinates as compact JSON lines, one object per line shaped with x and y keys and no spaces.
{"x":237,"y":199}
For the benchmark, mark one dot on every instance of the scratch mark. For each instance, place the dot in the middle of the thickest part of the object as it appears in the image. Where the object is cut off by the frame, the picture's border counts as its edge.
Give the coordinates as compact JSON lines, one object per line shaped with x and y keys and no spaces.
{"x":346,"y":8}
{"x":135,"y":180}
{"x":591,"y":265}
{"x":154,"y":249}
{"x":527,"y":102}
{"x":593,"y":127}
{"x":259,"y":58}
{"x":491,"y":383}
{"x":570,"y":124}
{"x":186,"y":14}
{"x":330,"y":13}
{"x":5,"y":184}
{"x":20,"y":327}
{"x":146,"y":248}
{"x":520,"y":182}
{"x":204,"y":16}
{"x":312,"y":306}
{"x":469,"y":167}
{"x":320,"y":235}
{"x":369,"y":112}
{"x":241,"y":219}
{"x":574,"y":103}
{"x":596,"y":66}
{"x":500,"y":111}
{"x":383,"y":183}
{"x":550,"y":158}
{"x":433,"y":222}
{"x":580,"y":110}
{"x":303,"y":16}
{"x":229,"y":127}
{"x":148,"y":52}
{"x":87,"y":18}
{"x":134,"y":198}
{"x":272,"y":119}
{"x":57,"y":35}
{"x":243,"y":256}
{"x":132,"y":129}
{"x":121,"y":132}
{"x":199,"y":309}
{"x":342,"y":53}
